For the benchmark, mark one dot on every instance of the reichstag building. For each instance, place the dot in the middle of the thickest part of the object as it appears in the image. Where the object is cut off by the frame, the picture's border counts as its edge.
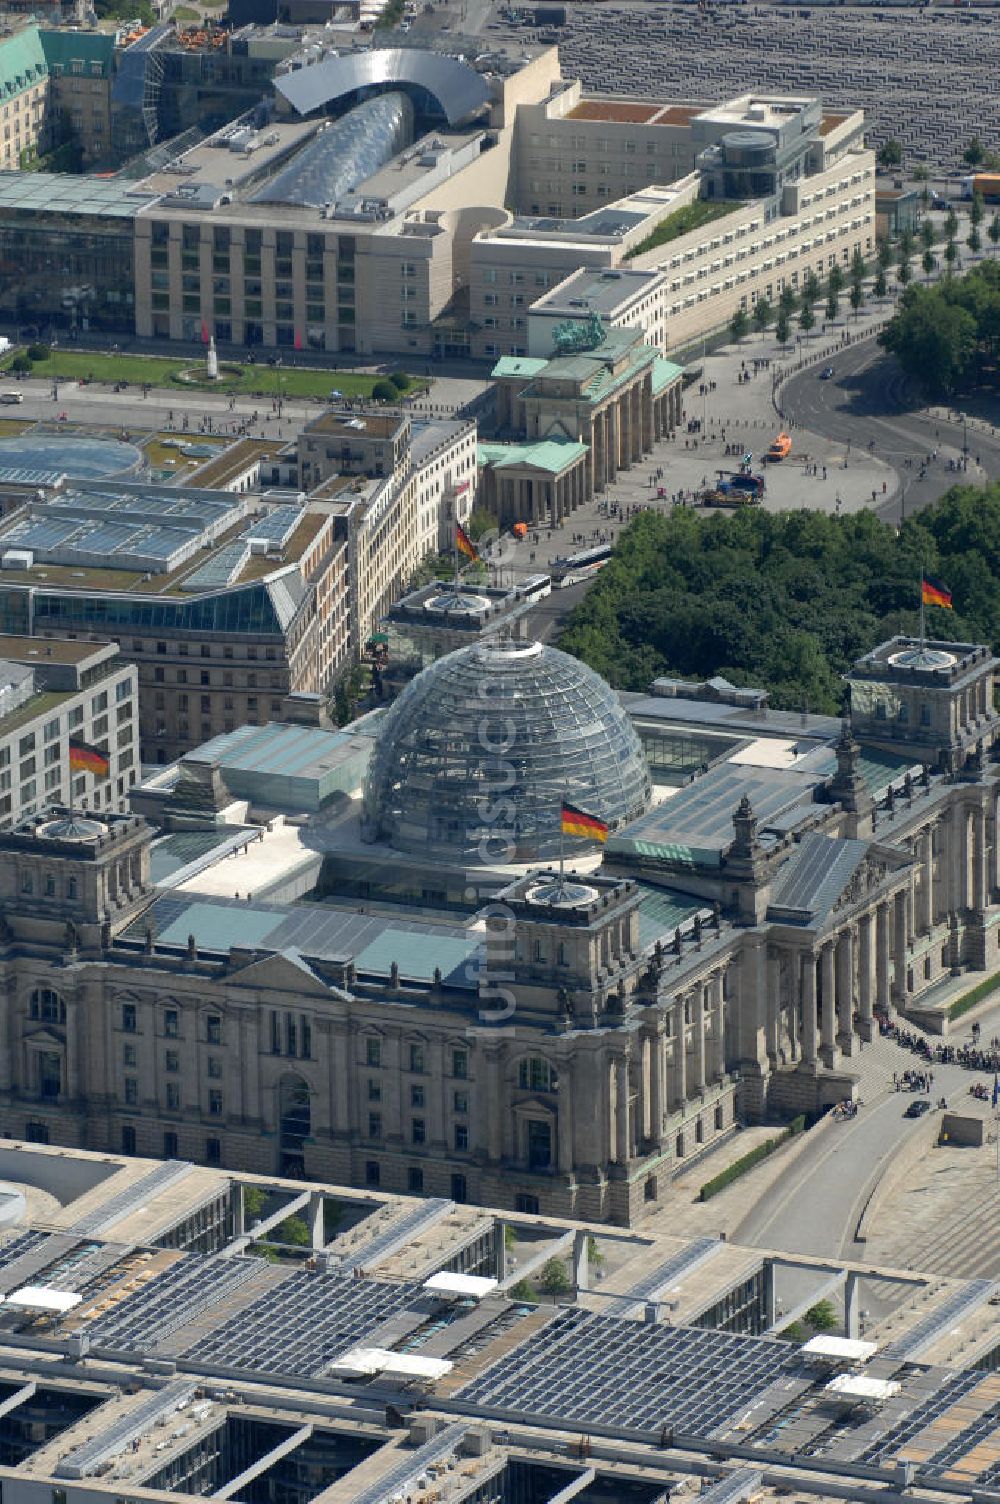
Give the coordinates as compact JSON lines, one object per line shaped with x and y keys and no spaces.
{"x":425,"y":1003}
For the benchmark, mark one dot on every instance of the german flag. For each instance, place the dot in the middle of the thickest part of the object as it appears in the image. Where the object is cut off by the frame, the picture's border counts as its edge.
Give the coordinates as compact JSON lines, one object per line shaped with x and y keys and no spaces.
{"x":576,"y":822}
{"x":84,"y":758}
{"x":933,"y":593}
{"x":465,"y":545}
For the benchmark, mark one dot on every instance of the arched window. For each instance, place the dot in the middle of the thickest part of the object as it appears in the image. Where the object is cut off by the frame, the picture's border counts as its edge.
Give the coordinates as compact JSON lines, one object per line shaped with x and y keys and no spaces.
{"x":47,"y":1006}
{"x":536,"y":1074}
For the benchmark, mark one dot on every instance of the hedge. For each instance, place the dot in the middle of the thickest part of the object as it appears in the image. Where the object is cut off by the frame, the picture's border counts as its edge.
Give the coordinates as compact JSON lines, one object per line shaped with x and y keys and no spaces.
{"x":970,"y":999}
{"x":747,"y":1161}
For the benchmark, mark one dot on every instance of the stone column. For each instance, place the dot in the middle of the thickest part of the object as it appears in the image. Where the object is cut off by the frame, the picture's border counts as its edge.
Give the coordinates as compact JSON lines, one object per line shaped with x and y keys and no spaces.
{"x":809,"y":1008}
{"x":979,"y":888}
{"x":680,"y":1055}
{"x":882,"y":993}
{"x":899,"y":947}
{"x":656,"y":1084}
{"x":865,"y":1020}
{"x":773,"y":1006}
{"x":643,"y":1128}
{"x":72,"y":1049}
{"x":829,"y":1000}
{"x":622,"y":1136}
{"x":494,"y":1125}
{"x":698,"y":1004}
{"x":564,"y":1125}
{"x":928,"y":874}
{"x":958,"y":833}
{"x":341,"y":1075}
{"x":845,"y":992}
{"x":249,"y":1071}
{"x":718,"y":1027}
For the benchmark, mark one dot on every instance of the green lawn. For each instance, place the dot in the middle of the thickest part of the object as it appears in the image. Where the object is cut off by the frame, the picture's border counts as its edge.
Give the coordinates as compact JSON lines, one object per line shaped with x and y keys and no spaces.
{"x":71,"y":365}
{"x":688,"y":217}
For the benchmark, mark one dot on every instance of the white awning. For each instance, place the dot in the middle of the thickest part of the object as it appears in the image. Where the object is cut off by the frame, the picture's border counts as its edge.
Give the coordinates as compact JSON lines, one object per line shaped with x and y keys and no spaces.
{"x":855,"y":1386}
{"x":41,"y":1298}
{"x":839,"y":1349}
{"x":448,"y":1283}
{"x":368,"y":1361}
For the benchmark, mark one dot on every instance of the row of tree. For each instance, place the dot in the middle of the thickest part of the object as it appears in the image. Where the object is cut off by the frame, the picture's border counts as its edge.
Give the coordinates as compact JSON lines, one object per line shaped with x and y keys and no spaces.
{"x":947,"y":337}
{"x":784,"y":600}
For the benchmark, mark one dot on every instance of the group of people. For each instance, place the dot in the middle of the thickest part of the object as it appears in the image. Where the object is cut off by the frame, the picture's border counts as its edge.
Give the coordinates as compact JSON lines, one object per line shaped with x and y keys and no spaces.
{"x":974,"y":1056}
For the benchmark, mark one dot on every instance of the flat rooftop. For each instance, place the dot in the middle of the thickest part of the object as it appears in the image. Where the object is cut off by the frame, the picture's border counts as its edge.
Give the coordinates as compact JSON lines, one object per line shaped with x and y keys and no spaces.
{"x":347,"y":425}
{"x":32,"y":650}
{"x":635,"y":112}
{"x":595,"y":291}
{"x":62,"y":193}
{"x":215,"y":164}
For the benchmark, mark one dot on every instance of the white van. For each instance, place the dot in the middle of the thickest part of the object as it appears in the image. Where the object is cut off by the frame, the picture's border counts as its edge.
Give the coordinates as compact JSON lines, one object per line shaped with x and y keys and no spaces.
{"x":9,"y":398}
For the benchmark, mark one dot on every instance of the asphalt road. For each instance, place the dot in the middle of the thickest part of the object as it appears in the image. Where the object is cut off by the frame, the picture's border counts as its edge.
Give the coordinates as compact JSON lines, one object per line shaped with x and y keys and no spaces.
{"x":870,"y":399}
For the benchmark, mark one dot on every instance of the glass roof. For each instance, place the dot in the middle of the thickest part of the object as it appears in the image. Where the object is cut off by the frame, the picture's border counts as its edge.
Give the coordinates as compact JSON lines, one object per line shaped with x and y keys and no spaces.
{"x":476,"y":756}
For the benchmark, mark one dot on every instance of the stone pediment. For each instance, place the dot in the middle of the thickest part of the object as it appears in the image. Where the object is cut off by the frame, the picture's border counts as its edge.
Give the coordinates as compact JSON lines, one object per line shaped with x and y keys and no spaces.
{"x":46,"y":1036}
{"x":281,"y":971}
{"x":826,"y":875}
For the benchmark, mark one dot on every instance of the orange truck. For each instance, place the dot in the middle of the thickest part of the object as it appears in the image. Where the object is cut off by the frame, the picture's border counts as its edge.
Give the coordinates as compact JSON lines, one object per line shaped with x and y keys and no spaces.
{"x":780,"y":449}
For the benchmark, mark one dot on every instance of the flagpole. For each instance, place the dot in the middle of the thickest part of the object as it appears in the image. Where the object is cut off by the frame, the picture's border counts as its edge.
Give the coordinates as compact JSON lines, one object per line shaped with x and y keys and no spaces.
{"x":923,"y":633}
{"x":562,"y":843}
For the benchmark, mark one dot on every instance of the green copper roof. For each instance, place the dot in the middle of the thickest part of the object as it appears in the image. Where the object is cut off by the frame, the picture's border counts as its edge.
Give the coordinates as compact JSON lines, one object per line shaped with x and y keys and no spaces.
{"x":665,"y":373}
{"x":517,"y":365}
{"x":88,"y":53}
{"x":22,"y":62}
{"x":553,"y":455}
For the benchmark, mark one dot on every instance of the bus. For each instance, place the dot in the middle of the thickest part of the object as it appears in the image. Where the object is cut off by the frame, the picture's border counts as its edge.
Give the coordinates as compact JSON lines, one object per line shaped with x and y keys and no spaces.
{"x":570,"y":569}
{"x":535,"y":588}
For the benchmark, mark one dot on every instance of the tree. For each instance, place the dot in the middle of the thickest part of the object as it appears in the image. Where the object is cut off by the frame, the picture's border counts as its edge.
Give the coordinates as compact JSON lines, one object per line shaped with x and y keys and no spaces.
{"x":883,"y":255}
{"x":294,"y":1230}
{"x":781,"y":328}
{"x":890,"y":153}
{"x":554,"y":1279}
{"x":384,"y":391}
{"x":21,"y":364}
{"x":951,"y":224}
{"x":977,"y":210}
{"x":835,"y":281}
{"x":951,"y":255}
{"x":832,"y":305}
{"x":928,"y":235}
{"x":595,"y":1258}
{"x":807,"y":319}
{"x":974,"y":241}
{"x":903,"y":273}
{"x":787,"y":300}
{"x":400,"y":380}
{"x":933,"y":338}
{"x":739,"y":325}
{"x":974,"y":152}
{"x":810,"y":287}
{"x":822,"y":1317}
{"x":859,"y":266}
{"x":254,"y":1199}
{"x":881,"y":286}
{"x":906,"y":243}
{"x":994,"y":232}
{"x":523,"y":1292}
{"x":928,"y":263}
{"x":857,"y":297}
{"x":763,"y":313}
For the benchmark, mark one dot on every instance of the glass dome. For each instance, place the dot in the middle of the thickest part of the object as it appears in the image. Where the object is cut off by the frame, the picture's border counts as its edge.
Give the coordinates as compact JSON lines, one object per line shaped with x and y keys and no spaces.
{"x":476,"y":756}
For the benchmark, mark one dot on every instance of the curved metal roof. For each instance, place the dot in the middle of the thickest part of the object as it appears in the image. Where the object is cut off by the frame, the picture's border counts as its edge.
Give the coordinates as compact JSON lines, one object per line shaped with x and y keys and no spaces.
{"x":459,"y":89}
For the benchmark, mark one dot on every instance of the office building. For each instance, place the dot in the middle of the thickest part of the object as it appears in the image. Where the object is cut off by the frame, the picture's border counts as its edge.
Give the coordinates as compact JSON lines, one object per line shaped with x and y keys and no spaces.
{"x":404,"y":200}
{"x":69,"y":726}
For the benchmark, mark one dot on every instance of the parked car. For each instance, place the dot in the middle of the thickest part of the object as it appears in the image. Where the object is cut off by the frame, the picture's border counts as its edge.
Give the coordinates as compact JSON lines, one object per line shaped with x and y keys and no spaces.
{"x":917,"y":1108}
